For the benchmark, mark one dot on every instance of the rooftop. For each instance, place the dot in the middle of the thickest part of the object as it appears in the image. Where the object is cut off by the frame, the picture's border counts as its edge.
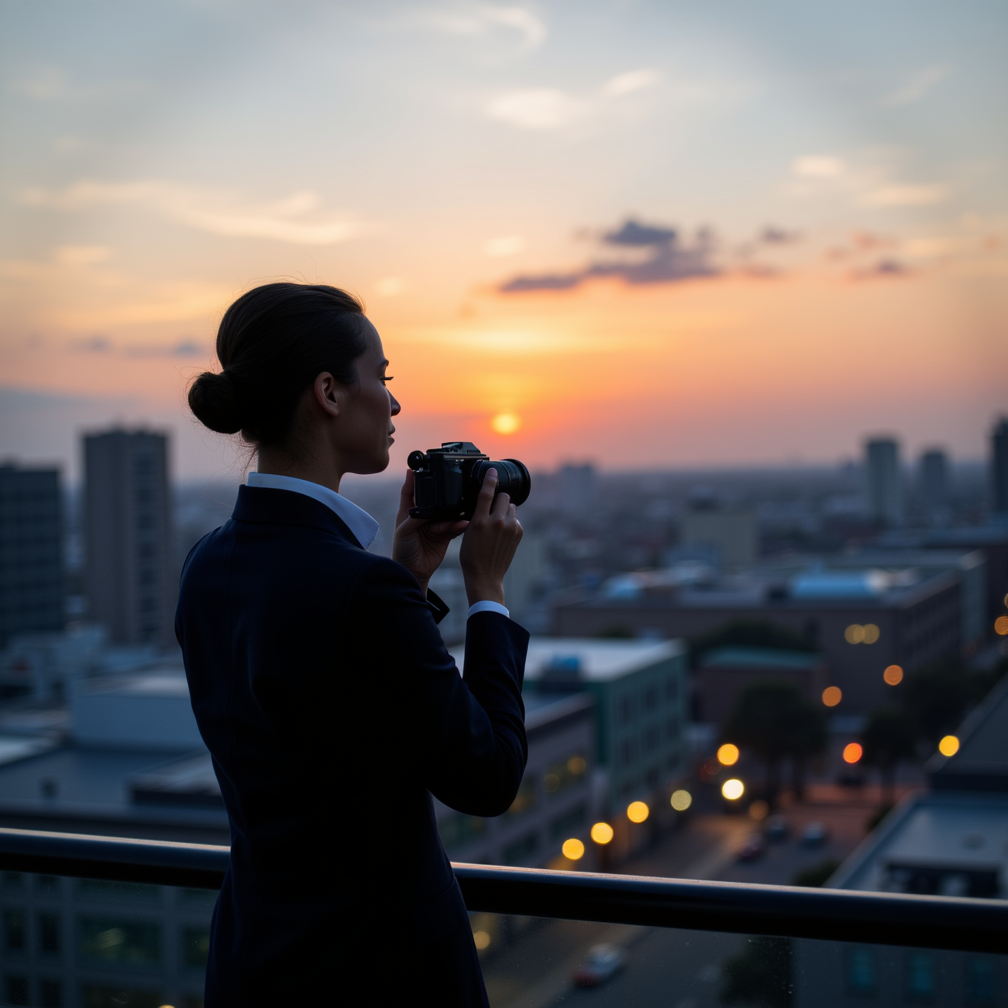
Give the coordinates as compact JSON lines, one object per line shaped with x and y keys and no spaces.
{"x":757,"y":657}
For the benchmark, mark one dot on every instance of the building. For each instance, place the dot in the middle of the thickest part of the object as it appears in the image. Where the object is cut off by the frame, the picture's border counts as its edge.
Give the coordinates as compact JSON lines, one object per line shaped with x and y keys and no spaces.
{"x":555,"y":802}
{"x":949,"y":841}
{"x":863,"y":615}
{"x":31,"y":551}
{"x":577,"y":488}
{"x":724,"y":672}
{"x":999,"y":467}
{"x":729,"y":535}
{"x":933,"y":482}
{"x":884,"y":481}
{"x":128,"y":570}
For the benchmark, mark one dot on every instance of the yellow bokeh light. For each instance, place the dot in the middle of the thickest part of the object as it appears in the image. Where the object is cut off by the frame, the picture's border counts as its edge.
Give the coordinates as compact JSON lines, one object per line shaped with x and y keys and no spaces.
{"x":759,"y":810}
{"x":733,"y":789}
{"x":481,"y":939}
{"x":832,"y":695}
{"x":637,"y":811}
{"x":949,"y":745}
{"x":728,"y":754}
{"x":573,"y":849}
{"x":505,"y":423}
{"x":1001,"y":626}
{"x":601,"y":832}
{"x":681,"y":800}
{"x":854,"y":634}
{"x":869,"y":633}
{"x":852,"y":752}
{"x":577,"y":765}
{"x":893,"y":675}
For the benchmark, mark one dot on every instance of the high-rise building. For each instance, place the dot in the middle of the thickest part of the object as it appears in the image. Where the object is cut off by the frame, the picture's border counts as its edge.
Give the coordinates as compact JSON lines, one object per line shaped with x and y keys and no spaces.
{"x":31,"y":551}
{"x":933,"y":480}
{"x":126,"y":535}
{"x":884,"y":481}
{"x":999,"y":466}
{"x":577,"y":488}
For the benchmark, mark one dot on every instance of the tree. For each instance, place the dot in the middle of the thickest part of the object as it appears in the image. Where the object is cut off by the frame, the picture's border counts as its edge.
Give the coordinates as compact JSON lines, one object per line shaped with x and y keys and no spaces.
{"x":774,"y":720}
{"x":889,"y":738}
{"x":749,"y":633}
{"x":760,"y":974}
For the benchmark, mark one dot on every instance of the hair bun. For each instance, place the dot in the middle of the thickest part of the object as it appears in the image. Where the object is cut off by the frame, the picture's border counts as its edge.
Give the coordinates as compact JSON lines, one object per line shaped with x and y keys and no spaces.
{"x":215,"y":401}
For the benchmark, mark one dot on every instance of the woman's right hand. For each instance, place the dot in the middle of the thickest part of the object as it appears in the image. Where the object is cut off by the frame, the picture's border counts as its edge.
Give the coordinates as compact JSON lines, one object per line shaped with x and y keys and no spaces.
{"x":489,"y":543}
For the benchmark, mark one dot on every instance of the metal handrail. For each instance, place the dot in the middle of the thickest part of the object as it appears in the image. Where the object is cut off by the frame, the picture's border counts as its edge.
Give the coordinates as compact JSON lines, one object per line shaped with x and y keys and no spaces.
{"x":976,"y":925}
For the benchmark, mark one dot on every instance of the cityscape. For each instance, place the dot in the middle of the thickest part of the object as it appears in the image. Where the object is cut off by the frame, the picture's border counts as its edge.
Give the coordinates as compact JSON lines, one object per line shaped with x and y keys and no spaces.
{"x":730,"y":281}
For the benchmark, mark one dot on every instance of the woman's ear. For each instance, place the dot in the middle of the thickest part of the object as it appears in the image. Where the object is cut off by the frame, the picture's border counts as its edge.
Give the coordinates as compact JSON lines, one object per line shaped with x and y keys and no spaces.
{"x":327,"y":393}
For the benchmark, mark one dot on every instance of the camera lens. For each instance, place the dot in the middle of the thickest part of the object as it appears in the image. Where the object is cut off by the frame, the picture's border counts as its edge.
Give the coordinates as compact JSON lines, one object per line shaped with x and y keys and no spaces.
{"x":512,"y":478}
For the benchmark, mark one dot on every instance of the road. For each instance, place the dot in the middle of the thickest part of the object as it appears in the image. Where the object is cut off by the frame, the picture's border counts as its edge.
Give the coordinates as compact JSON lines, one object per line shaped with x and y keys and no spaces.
{"x":677,"y":969}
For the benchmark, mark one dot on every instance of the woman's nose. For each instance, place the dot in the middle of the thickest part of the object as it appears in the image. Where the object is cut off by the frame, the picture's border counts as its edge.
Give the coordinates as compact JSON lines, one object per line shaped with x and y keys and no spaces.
{"x":396,"y":408}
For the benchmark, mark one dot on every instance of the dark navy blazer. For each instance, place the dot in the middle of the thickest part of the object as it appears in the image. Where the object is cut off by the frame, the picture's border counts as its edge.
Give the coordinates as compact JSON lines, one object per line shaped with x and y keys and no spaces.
{"x":333,"y":711}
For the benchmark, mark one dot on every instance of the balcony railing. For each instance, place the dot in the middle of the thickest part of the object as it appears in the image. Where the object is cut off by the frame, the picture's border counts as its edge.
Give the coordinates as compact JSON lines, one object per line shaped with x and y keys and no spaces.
{"x":889,"y":919}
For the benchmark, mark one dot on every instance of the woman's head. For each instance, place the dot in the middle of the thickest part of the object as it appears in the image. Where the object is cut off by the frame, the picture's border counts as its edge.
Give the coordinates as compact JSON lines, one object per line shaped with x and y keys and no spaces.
{"x":276,"y":344}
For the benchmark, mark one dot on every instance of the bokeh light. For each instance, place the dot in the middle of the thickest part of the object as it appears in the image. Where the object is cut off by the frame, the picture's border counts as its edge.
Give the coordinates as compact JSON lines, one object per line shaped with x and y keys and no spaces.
{"x":681,"y":800}
{"x":1001,"y":626}
{"x":949,"y":745}
{"x":854,"y":634}
{"x":852,"y":752}
{"x":869,"y":633}
{"x":601,"y":832}
{"x":637,"y":811}
{"x":728,"y":754}
{"x":481,"y":939}
{"x":759,"y":810}
{"x":505,"y":423}
{"x":831,"y":696}
{"x":577,"y":765}
{"x":893,"y":675}
{"x":573,"y":849}
{"x":733,"y":789}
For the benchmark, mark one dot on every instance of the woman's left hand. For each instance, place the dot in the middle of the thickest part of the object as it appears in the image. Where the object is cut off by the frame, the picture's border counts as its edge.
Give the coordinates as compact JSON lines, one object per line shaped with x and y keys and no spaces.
{"x":420,"y":544}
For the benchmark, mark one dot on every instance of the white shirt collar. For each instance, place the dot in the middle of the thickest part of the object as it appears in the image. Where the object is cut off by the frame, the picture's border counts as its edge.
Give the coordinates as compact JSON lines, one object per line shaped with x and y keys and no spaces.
{"x":360,"y":523}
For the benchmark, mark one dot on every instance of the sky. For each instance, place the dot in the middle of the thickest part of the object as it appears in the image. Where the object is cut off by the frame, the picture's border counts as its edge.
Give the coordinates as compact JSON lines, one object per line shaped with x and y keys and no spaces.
{"x":645,"y":234}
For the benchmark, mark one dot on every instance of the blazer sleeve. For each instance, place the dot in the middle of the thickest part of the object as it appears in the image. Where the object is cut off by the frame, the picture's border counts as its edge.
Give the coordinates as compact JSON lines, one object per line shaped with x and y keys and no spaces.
{"x":465,"y":735}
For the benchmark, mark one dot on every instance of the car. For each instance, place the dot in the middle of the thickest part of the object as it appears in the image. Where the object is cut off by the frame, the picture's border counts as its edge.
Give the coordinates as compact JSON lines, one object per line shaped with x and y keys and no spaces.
{"x":752,"y":849}
{"x":776,"y":828}
{"x":814,"y":835}
{"x":603,"y":963}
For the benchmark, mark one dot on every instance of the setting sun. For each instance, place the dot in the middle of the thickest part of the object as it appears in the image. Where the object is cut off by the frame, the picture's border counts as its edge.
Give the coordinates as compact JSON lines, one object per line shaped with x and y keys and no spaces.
{"x":505,"y":423}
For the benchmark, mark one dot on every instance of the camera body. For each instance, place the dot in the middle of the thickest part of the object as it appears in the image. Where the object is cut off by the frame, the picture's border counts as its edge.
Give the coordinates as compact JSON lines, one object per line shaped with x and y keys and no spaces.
{"x":448,"y":480}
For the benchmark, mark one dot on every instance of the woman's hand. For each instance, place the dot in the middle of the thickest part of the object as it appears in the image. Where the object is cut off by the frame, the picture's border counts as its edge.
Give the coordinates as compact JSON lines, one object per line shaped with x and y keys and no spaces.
{"x":490,"y":543}
{"x":418,"y":543}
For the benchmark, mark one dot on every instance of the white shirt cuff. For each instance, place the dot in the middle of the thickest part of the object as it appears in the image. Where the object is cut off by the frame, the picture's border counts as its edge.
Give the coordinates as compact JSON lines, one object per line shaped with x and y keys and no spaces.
{"x":487,"y":607}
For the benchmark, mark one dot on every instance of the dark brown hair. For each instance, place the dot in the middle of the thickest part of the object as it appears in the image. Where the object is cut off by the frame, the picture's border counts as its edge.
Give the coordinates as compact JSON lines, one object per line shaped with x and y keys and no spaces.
{"x":272,"y":343}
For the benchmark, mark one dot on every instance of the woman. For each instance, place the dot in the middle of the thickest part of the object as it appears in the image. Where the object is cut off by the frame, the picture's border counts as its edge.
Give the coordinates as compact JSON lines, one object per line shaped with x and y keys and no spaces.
{"x":321,"y":685}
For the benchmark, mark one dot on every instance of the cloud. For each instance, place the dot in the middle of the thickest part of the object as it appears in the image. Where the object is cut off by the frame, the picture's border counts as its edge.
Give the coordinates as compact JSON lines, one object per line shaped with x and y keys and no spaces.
{"x":551,"y":108}
{"x":293,"y":219}
{"x":476,"y":19}
{"x":778,"y":236}
{"x":871,"y":183}
{"x":668,"y":259}
{"x":46,"y":82}
{"x":883,"y":269}
{"x":188,"y":346}
{"x":918,"y":86}
{"x":505,"y":245}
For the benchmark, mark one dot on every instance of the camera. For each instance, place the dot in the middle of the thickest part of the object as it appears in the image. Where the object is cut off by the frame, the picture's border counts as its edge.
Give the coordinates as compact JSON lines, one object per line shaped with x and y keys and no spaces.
{"x":448,"y":480}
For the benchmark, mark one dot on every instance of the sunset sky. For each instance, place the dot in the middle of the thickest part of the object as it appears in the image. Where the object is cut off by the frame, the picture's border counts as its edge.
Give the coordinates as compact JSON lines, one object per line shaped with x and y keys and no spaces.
{"x":648,"y":234}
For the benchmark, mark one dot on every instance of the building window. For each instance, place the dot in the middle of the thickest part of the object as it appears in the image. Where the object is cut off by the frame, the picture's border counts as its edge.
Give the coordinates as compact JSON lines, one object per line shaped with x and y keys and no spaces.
{"x":108,"y":940}
{"x":979,"y":980}
{"x":15,"y":925}
{"x":626,"y":752}
{"x":651,"y":739}
{"x":651,"y":698}
{"x":919,"y":980}
{"x":671,"y":689}
{"x":195,"y":946}
{"x":51,"y":994}
{"x":49,"y":933}
{"x":17,"y":990}
{"x":860,"y":971}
